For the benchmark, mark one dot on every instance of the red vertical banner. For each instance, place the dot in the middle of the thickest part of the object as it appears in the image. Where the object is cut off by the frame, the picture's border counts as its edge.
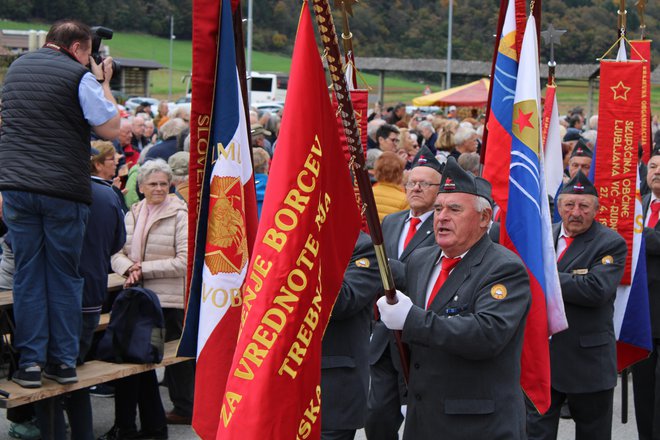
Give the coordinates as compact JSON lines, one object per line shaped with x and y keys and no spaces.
{"x":309,"y":225}
{"x":641,"y":50}
{"x":619,"y":130}
{"x":360,"y":100}
{"x":206,"y":19}
{"x":547,"y":112}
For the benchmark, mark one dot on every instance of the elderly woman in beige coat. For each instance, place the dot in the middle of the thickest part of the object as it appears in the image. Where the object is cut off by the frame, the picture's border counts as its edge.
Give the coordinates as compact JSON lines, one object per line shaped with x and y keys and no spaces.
{"x":155,"y":256}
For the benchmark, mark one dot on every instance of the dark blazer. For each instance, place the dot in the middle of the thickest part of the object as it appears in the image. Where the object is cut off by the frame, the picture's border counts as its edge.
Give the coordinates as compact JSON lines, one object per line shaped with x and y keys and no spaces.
{"x":652,"y":238}
{"x":465,"y":351}
{"x":344,"y":359}
{"x":430,"y":143}
{"x":392,"y":229}
{"x":583,"y":357}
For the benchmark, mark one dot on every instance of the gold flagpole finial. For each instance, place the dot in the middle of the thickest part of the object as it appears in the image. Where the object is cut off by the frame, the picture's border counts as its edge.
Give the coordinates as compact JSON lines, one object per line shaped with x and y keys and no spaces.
{"x":641,"y":9}
{"x":621,"y":19}
{"x":346,"y":5}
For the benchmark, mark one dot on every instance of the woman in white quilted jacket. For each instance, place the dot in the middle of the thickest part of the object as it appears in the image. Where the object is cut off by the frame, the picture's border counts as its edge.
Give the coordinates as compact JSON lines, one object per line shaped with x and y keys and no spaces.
{"x":155,"y":255}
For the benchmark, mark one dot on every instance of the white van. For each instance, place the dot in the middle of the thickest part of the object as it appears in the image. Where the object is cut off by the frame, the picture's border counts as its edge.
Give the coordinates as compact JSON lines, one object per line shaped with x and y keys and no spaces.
{"x":268,"y":87}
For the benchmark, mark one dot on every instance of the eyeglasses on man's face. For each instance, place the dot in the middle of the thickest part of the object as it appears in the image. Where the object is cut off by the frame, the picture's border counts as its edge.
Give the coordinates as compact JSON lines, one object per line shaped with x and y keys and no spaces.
{"x":423,"y":185}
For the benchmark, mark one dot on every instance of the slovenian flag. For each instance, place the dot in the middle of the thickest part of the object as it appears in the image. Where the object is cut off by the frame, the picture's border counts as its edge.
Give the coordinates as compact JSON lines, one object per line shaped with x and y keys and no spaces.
{"x":529,"y":227}
{"x":513,"y":149}
{"x":498,"y":151}
{"x":225,"y":222}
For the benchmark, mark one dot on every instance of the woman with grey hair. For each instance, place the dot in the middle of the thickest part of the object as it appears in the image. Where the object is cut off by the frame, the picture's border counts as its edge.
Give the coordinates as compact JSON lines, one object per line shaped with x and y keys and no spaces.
{"x":155,"y":255}
{"x":169,"y":133}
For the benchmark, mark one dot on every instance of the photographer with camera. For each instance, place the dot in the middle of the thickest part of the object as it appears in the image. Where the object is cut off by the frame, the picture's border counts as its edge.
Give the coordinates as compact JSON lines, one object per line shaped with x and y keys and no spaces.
{"x":52,"y":99}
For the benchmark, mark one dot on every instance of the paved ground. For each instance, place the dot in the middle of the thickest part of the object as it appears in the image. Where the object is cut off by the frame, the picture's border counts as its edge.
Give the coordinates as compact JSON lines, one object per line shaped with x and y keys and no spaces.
{"x":104,"y":416}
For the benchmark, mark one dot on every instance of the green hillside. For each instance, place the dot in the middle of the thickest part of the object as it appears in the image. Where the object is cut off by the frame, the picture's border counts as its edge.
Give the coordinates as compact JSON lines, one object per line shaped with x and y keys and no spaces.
{"x":136,"y":45}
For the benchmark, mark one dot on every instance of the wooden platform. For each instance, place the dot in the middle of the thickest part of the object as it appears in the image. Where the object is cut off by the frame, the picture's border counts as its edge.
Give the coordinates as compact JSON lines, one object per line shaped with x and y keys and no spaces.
{"x":91,"y":373}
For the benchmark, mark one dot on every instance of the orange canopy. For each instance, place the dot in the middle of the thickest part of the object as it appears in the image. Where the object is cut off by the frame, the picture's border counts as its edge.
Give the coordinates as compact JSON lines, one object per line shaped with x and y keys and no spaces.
{"x":474,"y":94}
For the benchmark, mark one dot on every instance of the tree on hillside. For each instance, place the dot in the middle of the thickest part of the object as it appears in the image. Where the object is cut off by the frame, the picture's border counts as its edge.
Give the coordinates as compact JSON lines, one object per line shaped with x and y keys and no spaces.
{"x":394,"y":28}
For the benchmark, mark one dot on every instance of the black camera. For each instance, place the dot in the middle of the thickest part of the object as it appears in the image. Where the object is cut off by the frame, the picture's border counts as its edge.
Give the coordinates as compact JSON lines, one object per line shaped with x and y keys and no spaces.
{"x":98,"y":34}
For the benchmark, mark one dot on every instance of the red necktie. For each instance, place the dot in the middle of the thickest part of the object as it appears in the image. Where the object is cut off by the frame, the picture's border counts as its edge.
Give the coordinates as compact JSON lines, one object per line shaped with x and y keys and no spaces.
{"x":568,"y":240}
{"x":655,"y":211}
{"x":446,"y":265}
{"x":414,"y":222}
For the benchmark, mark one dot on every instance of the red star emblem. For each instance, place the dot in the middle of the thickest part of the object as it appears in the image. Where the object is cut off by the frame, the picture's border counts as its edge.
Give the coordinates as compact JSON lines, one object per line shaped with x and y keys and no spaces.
{"x":513,"y":46}
{"x":620,"y":91}
{"x":523,"y":120}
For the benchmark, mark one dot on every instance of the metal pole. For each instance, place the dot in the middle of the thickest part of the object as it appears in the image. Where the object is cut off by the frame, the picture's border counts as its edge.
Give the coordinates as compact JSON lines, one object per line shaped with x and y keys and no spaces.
{"x":248,"y":59}
{"x":169,"y":91}
{"x":381,"y":88}
{"x":451,"y":19}
{"x":624,"y":395}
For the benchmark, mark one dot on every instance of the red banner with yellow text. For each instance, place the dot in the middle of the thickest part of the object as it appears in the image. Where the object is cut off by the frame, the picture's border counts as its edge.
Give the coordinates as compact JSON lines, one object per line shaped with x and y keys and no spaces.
{"x":641,"y":50}
{"x":618,"y":136}
{"x":206,"y":16}
{"x":308,"y":228}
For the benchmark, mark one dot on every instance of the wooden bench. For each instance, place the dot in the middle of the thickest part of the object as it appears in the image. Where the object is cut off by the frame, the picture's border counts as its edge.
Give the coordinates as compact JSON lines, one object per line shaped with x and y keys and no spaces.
{"x":115,"y":283}
{"x":89,"y":374}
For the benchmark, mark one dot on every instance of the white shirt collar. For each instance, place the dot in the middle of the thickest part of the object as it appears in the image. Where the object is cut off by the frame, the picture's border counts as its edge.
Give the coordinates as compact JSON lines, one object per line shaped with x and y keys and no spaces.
{"x":443,"y":255}
{"x":422,"y":217}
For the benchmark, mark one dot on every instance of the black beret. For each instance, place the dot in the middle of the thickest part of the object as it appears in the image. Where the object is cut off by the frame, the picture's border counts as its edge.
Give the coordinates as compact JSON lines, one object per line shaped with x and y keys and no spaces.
{"x":456,"y":180}
{"x":581,"y":150}
{"x":424,"y":158}
{"x":580,"y":184}
{"x":485,"y":189}
{"x":572,"y":135}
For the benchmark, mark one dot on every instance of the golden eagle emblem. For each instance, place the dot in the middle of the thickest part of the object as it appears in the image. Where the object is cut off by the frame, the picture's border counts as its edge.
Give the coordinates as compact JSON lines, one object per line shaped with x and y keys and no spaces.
{"x":226,"y":241}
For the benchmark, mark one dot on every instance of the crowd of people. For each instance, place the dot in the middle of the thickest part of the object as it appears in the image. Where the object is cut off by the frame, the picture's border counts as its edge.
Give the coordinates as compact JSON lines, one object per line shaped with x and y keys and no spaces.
{"x":88,"y":188}
{"x":463,"y":300}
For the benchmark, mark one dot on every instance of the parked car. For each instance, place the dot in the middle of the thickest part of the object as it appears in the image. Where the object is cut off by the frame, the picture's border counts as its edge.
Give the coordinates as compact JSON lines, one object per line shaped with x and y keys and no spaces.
{"x":272,"y":107}
{"x":183,"y":102}
{"x":132,"y":103}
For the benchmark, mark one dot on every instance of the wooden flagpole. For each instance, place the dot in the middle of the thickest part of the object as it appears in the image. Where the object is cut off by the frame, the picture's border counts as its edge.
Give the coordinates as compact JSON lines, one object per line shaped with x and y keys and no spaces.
{"x":328,"y":33}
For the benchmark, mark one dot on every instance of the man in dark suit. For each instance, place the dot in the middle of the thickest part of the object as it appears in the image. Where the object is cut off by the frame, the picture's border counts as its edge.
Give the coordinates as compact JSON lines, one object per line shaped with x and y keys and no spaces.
{"x":464,"y":322}
{"x":403,"y":232}
{"x":429,"y":136}
{"x":591,"y":260}
{"x":646,"y":379}
{"x":344,"y":359}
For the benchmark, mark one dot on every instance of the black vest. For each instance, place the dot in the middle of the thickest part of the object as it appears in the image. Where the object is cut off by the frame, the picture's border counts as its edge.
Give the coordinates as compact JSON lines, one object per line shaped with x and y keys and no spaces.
{"x":44,"y":137}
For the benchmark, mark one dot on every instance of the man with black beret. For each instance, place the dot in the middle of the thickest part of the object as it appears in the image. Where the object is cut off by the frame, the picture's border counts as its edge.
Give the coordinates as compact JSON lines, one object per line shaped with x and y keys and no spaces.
{"x":590,"y":262}
{"x":403,"y":232}
{"x":581,"y":158}
{"x":464,"y":322}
